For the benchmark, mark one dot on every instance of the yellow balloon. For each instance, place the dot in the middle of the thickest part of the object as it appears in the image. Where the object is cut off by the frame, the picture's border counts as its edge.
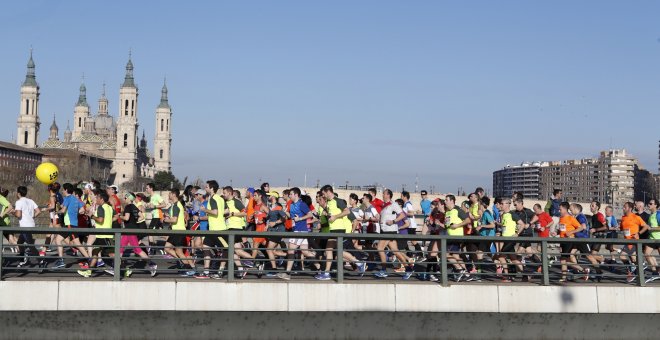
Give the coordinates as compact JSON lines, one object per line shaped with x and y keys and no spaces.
{"x":47,"y":173}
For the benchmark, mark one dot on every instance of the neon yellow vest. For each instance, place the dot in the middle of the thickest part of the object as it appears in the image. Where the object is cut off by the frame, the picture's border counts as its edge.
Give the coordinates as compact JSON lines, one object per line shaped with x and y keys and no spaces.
{"x":452,"y":215}
{"x":217,"y":222}
{"x":181,"y":218}
{"x":107,"y":220}
{"x":234,"y":222}
{"x":341,"y":224}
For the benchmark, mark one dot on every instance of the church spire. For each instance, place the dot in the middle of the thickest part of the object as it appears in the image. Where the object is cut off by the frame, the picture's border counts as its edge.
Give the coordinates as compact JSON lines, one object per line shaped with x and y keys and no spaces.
{"x":163,"y":96}
{"x":128,"y":79}
{"x":30,"y":77}
{"x":82,"y":98}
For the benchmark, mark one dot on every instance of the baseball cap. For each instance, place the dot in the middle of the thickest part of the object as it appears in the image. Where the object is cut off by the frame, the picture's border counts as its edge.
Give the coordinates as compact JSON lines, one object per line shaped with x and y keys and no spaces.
{"x":116,"y":188}
{"x":273,"y":194}
{"x":250,"y":190}
{"x":437,"y":200}
{"x":89,"y":186}
{"x":200,"y":192}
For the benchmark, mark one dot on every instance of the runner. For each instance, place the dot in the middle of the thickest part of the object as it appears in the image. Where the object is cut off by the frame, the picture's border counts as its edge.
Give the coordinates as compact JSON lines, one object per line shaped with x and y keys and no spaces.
{"x":25,"y":210}
{"x":175,"y":244}
{"x":102,"y":244}
{"x":584,"y":233}
{"x":412,"y":227}
{"x":337,"y":211}
{"x":568,"y":227}
{"x":71,"y":207}
{"x":632,"y":226}
{"x":455,"y":221}
{"x":214,"y":211}
{"x":485,"y":227}
{"x":425,"y":204}
{"x":525,"y":220}
{"x":390,"y":216}
{"x":508,"y":251}
{"x":654,"y":234}
{"x":131,"y":215}
{"x":299,"y":213}
{"x":552,"y":206}
{"x":436,"y":226}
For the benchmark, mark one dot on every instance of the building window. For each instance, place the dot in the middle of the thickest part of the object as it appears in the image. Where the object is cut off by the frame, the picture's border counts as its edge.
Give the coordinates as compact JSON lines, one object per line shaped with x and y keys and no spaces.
{"x":125,"y":140}
{"x":126,"y":108}
{"x":161,"y":153}
{"x":132,"y":107}
{"x":162,"y":122}
{"x":79,"y":121}
{"x":168,"y":125}
{"x":26,"y":138}
{"x":27,"y":107}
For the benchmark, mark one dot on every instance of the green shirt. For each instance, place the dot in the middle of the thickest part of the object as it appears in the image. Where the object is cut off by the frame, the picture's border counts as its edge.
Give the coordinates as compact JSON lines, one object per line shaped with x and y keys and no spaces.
{"x":655,"y":228}
{"x":4,"y":205}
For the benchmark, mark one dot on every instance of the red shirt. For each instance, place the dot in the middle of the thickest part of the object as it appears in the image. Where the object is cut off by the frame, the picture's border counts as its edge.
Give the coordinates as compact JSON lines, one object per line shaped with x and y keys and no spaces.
{"x":378,"y":204}
{"x":544,"y":220}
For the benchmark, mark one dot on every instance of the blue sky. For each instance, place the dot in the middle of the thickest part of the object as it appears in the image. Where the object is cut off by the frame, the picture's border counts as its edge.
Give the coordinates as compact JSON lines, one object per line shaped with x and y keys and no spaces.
{"x":364,"y":91}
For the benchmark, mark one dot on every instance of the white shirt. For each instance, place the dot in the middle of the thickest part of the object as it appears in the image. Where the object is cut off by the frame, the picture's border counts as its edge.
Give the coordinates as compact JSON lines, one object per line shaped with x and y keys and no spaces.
{"x":27,"y":208}
{"x":407,"y":207}
{"x":390,"y":213}
{"x":370,"y":213}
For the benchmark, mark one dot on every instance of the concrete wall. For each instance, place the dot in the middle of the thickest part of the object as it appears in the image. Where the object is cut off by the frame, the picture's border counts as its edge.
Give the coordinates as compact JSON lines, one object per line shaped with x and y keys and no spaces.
{"x":323,"y":325}
{"x":321,"y":297}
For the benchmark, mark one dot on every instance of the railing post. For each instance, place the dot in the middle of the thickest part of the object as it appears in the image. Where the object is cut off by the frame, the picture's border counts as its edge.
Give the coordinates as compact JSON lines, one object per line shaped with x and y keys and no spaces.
{"x":444,"y":277}
{"x":117,"y":264}
{"x":544,"y":263}
{"x":340,"y":259}
{"x":2,"y":249}
{"x":640,"y":265}
{"x":230,"y":257}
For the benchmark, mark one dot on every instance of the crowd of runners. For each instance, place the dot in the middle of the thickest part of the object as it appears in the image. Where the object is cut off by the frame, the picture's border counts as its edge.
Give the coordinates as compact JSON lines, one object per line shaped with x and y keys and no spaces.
{"x":304,"y":214}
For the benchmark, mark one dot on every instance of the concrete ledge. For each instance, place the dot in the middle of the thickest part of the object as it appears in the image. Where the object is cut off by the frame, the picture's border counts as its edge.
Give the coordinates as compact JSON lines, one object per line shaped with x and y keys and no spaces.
{"x":435,"y":298}
{"x":526,"y":299}
{"x":111,"y":295}
{"x":281,"y":296}
{"x":28,"y":295}
{"x":323,"y":297}
{"x":628,"y":300}
{"x":224,"y":296}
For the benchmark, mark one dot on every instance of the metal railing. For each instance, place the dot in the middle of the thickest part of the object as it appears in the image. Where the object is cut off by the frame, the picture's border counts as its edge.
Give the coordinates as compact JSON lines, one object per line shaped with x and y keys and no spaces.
{"x":546,"y":261}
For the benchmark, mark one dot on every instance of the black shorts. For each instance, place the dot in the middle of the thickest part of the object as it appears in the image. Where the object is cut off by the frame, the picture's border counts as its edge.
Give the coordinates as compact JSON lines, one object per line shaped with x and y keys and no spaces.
{"x":251,"y":227}
{"x":215,"y":241}
{"x":177,"y":240}
{"x":412,"y":231}
{"x":484,"y":246}
{"x":402,"y":244}
{"x":156,"y":223}
{"x":105,"y":244}
{"x":583,"y":248}
{"x":508,"y":247}
{"x":653,"y":245}
{"x":566,"y":249}
{"x":453,"y":247}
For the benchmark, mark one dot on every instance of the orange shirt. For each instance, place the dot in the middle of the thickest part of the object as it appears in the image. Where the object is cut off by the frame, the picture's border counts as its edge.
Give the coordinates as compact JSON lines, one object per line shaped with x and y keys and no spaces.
{"x":288,"y":223}
{"x":250,"y":210}
{"x":567,"y":223}
{"x":630,"y":225}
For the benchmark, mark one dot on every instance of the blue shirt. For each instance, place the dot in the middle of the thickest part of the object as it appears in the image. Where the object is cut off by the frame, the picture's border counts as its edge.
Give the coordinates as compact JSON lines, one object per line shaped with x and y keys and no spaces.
{"x":203,"y":224}
{"x":496,"y":213}
{"x":583,"y":220}
{"x":487,"y":218}
{"x":299,"y":209}
{"x":72,"y":205}
{"x":426,"y":207}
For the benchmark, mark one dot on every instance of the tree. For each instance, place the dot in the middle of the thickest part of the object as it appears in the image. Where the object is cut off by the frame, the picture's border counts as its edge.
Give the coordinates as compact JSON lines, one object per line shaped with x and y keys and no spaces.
{"x":165,"y":180}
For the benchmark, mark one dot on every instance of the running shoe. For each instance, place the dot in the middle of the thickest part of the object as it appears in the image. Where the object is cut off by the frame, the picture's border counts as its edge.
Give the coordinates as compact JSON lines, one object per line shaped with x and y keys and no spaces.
{"x":586,"y":274}
{"x":499,"y":271}
{"x":323,"y":276}
{"x":470,"y":278}
{"x":284,"y":276}
{"x":654,"y":276}
{"x":380,"y":274}
{"x":260,"y":266}
{"x":202,"y":276}
{"x":248,"y":263}
{"x":24,"y":263}
{"x":128,"y":272}
{"x":433,"y":278}
{"x":216,"y":276}
{"x":110,"y":271}
{"x":100,"y":263}
{"x":271,"y":274}
{"x":152,"y":269}
{"x":85,"y":273}
{"x":362,"y":267}
{"x":473,"y":270}
{"x":407,"y":275}
{"x":461,"y":274}
{"x":630,"y":277}
{"x":189,"y":273}
{"x":401,"y":269}
{"x":422,"y":277}
{"x":59,"y":263}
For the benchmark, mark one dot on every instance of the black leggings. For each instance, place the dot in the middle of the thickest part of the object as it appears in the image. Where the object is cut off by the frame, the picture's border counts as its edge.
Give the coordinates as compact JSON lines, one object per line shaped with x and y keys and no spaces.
{"x":26,"y":238}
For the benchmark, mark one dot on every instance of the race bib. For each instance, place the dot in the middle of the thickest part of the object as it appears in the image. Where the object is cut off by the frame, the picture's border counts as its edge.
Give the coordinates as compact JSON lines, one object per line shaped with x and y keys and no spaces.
{"x":562,"y":227}
{"x":626,"y":232}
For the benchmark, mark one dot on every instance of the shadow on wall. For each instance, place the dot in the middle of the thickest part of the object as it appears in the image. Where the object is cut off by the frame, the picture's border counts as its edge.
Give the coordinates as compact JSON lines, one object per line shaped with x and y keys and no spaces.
{"x":567,"y":299}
